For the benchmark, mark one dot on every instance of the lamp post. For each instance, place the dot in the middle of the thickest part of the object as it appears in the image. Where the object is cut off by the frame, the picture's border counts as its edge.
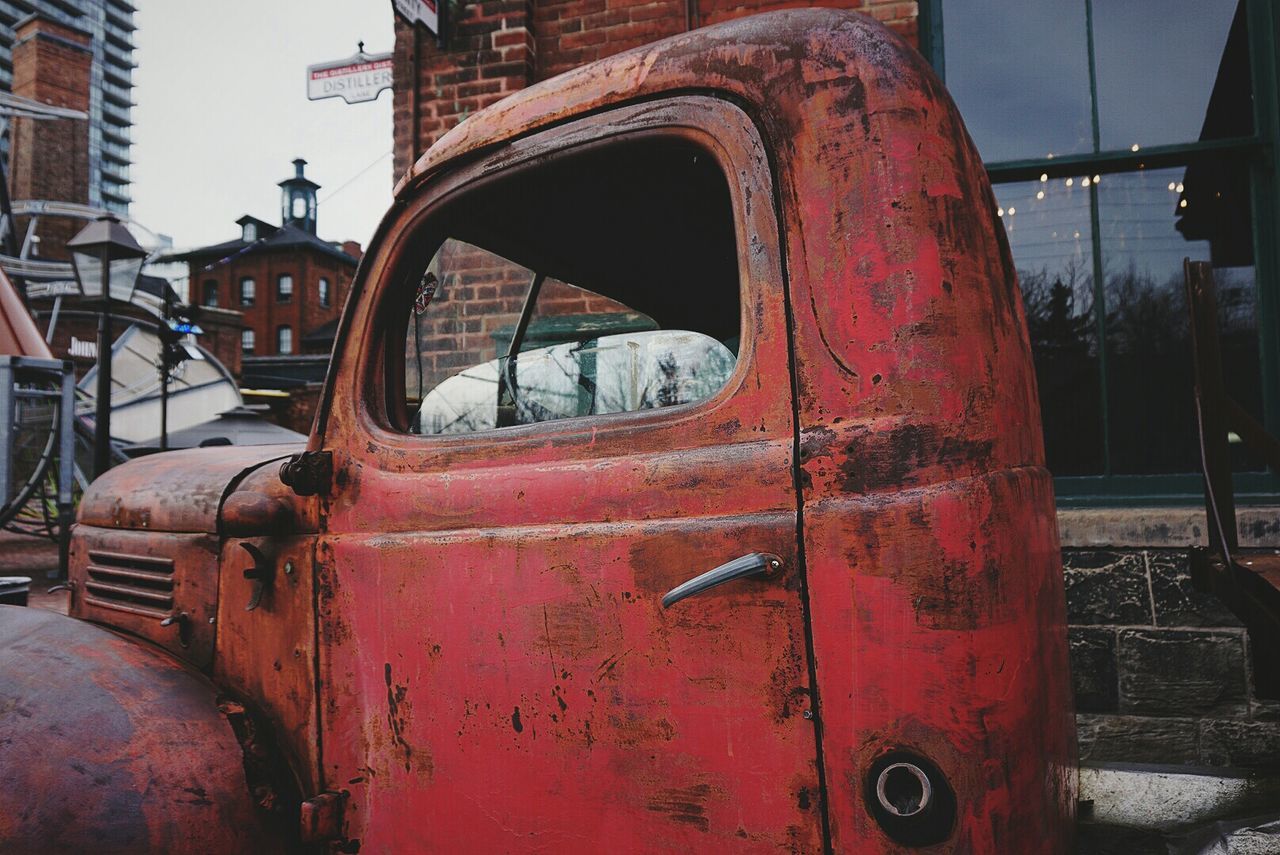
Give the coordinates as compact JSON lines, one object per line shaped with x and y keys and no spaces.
{"x":107,"y":261}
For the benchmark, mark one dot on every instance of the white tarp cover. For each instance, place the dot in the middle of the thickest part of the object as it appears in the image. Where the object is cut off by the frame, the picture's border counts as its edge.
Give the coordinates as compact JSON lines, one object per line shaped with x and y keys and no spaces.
{"x":611,"y":374}
{"x":199,"y":389}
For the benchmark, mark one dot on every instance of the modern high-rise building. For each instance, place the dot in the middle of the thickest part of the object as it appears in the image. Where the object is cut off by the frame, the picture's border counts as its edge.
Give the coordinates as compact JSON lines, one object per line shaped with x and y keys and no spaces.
{"x":109,"y":26}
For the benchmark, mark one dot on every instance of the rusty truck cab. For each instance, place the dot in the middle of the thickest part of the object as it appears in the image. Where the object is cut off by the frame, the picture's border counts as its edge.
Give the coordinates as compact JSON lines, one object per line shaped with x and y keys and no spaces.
{"x":677,"y":484}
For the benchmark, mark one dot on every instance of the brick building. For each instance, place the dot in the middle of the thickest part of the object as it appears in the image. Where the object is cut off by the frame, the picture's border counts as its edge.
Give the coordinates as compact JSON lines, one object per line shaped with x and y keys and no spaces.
{"x":287,"y":283}
{"x":1115,"y":149}
{"x":56,"y":62}
{"x":49,"y":159}
{"x":78,"y":40}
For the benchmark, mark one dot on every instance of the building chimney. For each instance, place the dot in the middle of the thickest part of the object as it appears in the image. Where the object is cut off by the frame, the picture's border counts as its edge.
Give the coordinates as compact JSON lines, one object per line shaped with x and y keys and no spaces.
{"x":353,"y":249}
{"x":49,"y":158}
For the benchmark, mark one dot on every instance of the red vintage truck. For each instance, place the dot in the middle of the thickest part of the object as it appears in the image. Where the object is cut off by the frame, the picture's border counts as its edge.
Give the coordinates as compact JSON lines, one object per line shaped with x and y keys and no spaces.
{"x":677,"y":485}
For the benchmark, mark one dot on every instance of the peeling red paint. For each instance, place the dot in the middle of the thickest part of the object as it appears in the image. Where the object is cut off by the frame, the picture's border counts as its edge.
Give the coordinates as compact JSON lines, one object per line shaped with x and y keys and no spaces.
{"x":482,"y":656}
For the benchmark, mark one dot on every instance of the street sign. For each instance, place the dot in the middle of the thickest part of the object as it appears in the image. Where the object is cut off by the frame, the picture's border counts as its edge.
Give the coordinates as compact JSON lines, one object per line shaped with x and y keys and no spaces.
{"x":425,"y":12}
{"x":360,"y":77}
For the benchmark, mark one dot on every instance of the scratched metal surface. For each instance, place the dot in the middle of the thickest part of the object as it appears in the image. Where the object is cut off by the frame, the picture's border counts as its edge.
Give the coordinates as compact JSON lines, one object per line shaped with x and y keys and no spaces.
{"x":499,"y":673}
{"x":174,"y":491}
{"x":267,"y":655}
{"x":931,"y":556}
{"x":107,"y":745}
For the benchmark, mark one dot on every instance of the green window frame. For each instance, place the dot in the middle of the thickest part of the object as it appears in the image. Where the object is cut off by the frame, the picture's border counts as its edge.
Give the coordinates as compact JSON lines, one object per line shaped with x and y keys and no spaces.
{"x":1261,"y":152}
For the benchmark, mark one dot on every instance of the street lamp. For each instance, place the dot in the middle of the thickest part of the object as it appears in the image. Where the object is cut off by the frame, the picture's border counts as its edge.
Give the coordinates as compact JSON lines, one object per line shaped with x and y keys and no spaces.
{"x":107,"y":261}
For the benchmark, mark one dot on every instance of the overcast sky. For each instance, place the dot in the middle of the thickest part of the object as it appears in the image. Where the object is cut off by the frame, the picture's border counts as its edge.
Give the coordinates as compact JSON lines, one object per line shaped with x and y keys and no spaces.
{"x":222,"y":111}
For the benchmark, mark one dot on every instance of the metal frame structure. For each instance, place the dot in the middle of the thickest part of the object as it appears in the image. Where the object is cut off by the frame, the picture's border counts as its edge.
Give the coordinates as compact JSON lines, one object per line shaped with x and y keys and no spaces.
{"x":1262,"y":154}
{"x":48,"y":379}
{"x":1248,"y":582}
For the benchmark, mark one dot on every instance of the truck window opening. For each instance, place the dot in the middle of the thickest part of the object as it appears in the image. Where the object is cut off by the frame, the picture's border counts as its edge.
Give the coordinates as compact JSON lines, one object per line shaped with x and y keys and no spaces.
{"x":600,"y":283}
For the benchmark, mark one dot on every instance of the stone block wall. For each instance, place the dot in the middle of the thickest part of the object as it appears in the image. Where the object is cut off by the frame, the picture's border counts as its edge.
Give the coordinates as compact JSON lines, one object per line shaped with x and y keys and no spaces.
{"x":1161,"y":670}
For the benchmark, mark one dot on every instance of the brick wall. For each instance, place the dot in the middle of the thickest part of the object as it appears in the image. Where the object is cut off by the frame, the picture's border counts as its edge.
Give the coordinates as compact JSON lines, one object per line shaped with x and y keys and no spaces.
{"x":497,"y":47}
{"x":1161,"y":670}
{"x":479,"y":299}
{"x":303,"y":313}
{"x":490,"y":55}
{"x":49,"y":158}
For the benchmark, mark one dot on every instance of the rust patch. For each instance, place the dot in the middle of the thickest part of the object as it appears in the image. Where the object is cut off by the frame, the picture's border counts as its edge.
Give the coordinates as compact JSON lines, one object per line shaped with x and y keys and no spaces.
{"x":902,"y":456}
{"x":632,"y":729}
{"x":787,"y":691}
{"x":605,"y":669}
{"x":683,"y":804}
{"x":397,"y":715}
{"x":816,"y":442}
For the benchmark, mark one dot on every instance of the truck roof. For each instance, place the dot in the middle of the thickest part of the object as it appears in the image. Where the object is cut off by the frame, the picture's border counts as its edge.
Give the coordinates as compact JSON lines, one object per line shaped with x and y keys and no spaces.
{"x":772,"y":64}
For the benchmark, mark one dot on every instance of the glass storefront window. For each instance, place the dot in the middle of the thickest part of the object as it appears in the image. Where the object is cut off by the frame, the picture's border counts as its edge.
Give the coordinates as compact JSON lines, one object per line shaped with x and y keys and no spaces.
{"x":1025,"y":92}
{"x":1152,"y":420}
{"x":1099,"y":240}
{"x":1047,"y":223}
{"x":1157,"y":64}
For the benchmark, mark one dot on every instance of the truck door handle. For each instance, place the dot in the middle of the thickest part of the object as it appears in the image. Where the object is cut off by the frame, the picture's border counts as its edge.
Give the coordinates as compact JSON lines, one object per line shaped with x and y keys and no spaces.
{"x":755,"y":564}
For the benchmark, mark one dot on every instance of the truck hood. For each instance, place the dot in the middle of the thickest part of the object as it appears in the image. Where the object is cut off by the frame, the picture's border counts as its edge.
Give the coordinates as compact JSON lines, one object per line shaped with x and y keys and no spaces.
{"x":178,"y":491}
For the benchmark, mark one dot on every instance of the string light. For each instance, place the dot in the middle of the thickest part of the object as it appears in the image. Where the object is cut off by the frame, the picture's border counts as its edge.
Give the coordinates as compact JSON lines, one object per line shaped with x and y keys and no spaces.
{"x":1096,"y":179}
{"x":1172,"y":186}
{"x":1182,"y":204}
{"x":1040,"y":194}
{"x":1084,"y":182}
{"x":1070,"y":181}
{"x":1179,"y":187}
{"x":1044,"y":176}
{"x":1013,"y":210}
{"x":999,"y":212}
{"x":1134,"y":147}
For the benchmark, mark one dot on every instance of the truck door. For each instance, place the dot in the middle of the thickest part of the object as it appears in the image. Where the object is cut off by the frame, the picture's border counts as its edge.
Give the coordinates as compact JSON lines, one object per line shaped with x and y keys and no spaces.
{"x":565,"y":393}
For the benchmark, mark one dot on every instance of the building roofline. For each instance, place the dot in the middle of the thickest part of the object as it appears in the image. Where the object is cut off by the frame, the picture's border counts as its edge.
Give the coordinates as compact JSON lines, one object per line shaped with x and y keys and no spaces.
{"x":53,"y":37}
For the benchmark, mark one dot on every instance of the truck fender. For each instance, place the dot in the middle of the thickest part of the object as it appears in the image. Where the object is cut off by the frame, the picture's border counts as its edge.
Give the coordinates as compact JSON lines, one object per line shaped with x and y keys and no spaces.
{"x":109,"y":745}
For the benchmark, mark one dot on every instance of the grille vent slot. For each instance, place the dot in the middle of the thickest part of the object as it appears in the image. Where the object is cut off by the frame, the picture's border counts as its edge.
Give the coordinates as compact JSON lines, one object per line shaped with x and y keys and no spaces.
{"x":140,"y":584}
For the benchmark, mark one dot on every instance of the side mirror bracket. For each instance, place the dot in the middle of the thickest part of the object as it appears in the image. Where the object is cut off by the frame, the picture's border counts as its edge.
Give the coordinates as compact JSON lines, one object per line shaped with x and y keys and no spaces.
{"x":308,"y":473}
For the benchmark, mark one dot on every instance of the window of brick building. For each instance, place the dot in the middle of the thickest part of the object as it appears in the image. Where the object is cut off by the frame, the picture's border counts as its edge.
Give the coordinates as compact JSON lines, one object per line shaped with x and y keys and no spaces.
{"x":323,"y":293}
{"x":247,"y":288}
{"x":617,"y":292}
{"x":284,"y":340}
{"x":284,"y":288}
{"x":246,"y":342}
{"x":1121,"y":137}
{"x":209,"y":293}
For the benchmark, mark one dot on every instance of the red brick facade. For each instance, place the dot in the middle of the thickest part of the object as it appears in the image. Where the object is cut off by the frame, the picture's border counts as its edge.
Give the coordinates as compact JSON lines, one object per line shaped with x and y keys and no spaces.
{"x":302,"y":313}
{"x":497,"y":47}
{"x":49,"y":158}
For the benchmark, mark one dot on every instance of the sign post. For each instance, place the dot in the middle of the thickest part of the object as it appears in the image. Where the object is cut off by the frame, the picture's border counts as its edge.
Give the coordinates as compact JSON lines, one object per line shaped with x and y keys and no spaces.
{"x":358,"y":78}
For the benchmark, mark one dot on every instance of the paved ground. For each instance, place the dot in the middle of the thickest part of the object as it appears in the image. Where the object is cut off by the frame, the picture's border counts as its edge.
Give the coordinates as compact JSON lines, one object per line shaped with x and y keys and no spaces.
{"x":38,"y":558}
